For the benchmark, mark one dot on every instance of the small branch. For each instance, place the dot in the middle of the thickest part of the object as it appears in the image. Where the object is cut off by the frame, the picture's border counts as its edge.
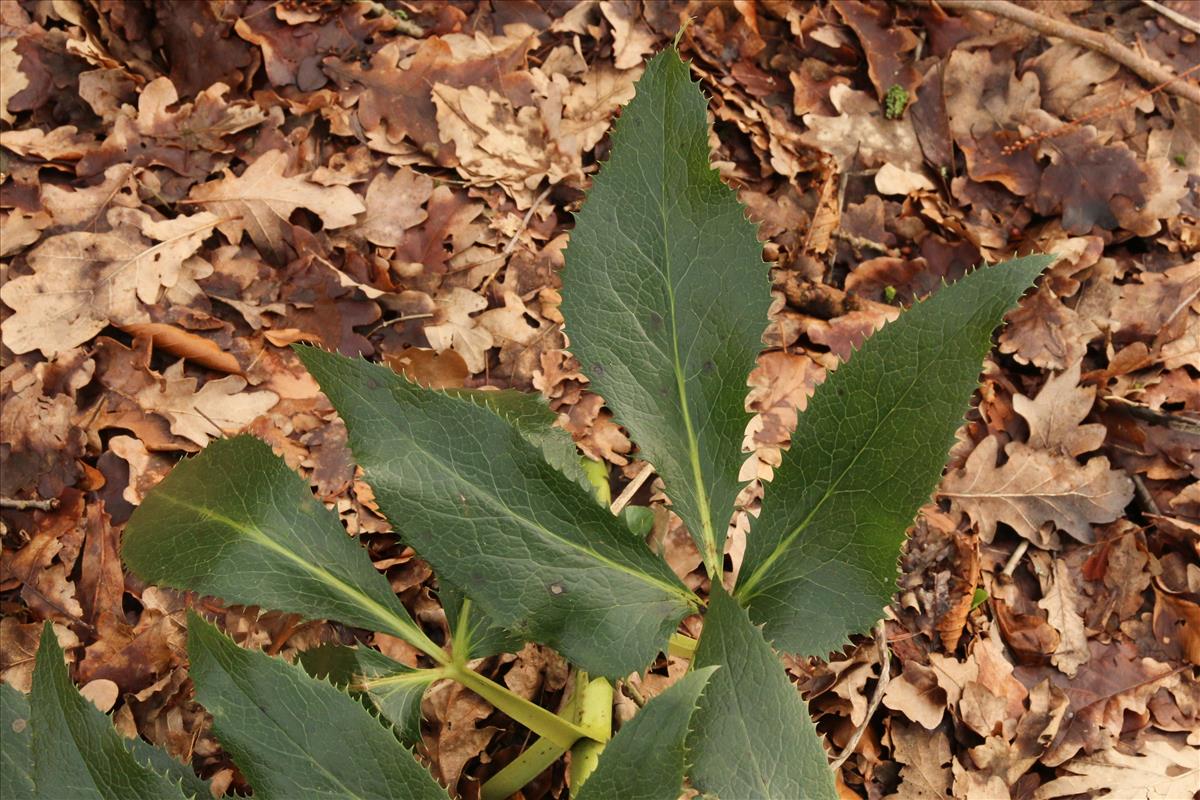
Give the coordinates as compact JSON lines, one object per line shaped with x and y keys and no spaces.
{"x":24,"y":505}
{"x":1181,"y":20}
{"x":1145,"y":68}
{"x":629,"y":491}
{"x":512,"y":241}
{"x":885,"y":662}
{"x":1010,"y":566}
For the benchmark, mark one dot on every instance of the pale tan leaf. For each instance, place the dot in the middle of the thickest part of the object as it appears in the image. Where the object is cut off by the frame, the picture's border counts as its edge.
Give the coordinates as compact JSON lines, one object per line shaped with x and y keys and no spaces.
{"x":1164,"y":768}
{"x":1035,"y":487}
{"x":926,"y":759}
{"x":82,"y":281}
{"x":219,"y":407}
{"x":1054,"y":415}
{"x":395,"y":203}
{"x":632,"y":40}
{"x":260,"y":200}
{"x":458,"y":329}
{"x":1061,"y":600}
{"x":14,"y":80}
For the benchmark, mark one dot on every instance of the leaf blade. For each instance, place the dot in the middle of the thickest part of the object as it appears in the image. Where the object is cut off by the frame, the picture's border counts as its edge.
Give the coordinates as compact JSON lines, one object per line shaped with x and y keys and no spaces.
{"x":480,"y":503}
{"x":647,"y":758}
{"x":16,"y":756}
{"x":263,"y":711}
{"x":752,"y":736}
{"x":820,"y":560}
{"x":76,"y":751}
{"x":656,"y":298}
{"x":392,"y":689}
{"x":245,"y":528}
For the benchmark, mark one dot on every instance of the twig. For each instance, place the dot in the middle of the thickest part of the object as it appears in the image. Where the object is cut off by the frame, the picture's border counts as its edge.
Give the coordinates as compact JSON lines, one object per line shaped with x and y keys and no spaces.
{"x":1146,"y":68}
{"x":860,"y":242}
{"x":629,"y":491}
{"x":1182,"y":20}
{"x":1143,"y":493}
{"x":885,"y":661}
{"x":23,"y":505}
{"x":512,"y":241}
{"x":1010,"y":566}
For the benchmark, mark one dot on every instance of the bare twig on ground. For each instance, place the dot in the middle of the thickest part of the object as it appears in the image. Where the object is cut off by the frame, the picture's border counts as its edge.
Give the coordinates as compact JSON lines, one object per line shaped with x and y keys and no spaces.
{"x":1182,"y":20}
{"x":24,"y":505}
{"x":885,"y":665}
{"x":1145,"y":68}
{"x":628,"y":492}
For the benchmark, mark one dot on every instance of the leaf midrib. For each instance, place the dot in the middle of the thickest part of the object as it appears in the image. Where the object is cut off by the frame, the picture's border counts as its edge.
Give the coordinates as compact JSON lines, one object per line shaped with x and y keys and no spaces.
{"x":707,"y":530}
{"x":467,"y":487}
{"x":256,"y":535}
{"x":746,"y":590}
{"x":286,"y":731}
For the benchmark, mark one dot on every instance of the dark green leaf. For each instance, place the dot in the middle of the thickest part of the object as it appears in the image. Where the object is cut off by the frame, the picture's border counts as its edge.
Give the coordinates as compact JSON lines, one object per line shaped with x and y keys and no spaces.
{"x":821,"y":558}
{"x":480,"y":503}
{"x":235,"y":522}
{"x":171,"y":768}
{"x":16,"y":759}
{"x":533,"y":419}
{"x":392,"y":689}
{"x":481,"y":636}
{"x":752,"y":736}
{"x":647,"y":758}
{"x":76,"y":751}
{"x":665,"y":294}
{"x":293,"y":735}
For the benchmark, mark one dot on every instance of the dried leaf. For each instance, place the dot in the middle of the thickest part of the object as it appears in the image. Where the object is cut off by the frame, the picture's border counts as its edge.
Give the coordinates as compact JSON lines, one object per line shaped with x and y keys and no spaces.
{"x":260,"y":200}
{"x":1035,"y":487}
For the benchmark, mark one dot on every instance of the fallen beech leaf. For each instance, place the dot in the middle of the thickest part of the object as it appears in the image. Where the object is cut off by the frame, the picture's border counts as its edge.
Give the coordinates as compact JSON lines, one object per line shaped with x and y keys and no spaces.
{"x":260,"y":200}
{"x":1035,"y":487}
{"x":102,"y":693}
{"x":429,"y":367}
{"x":185,"y":344}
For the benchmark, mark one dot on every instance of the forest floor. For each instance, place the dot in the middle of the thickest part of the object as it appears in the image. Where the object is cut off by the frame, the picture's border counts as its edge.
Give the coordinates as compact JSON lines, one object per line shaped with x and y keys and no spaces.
{"x":1045,"y":636}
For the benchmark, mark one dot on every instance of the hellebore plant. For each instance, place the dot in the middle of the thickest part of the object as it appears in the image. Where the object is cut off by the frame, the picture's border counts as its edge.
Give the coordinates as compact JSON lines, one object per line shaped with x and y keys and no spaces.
{"x":665,"y":295}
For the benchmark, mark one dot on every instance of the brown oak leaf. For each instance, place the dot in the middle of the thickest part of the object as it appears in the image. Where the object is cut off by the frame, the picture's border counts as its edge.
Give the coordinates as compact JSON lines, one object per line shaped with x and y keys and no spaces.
{"x":1035,"y":487}
{"x":82,"y":281}
{"x":260,"y":200}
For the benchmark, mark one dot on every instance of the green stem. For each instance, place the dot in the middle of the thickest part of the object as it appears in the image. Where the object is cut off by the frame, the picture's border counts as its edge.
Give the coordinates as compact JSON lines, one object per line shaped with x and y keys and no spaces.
{"x":462,"y":633}
{"x":536,"y":759}
{"x":682,"y":646}
{"x":595,"y":715}
{"x":532,"y":716}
